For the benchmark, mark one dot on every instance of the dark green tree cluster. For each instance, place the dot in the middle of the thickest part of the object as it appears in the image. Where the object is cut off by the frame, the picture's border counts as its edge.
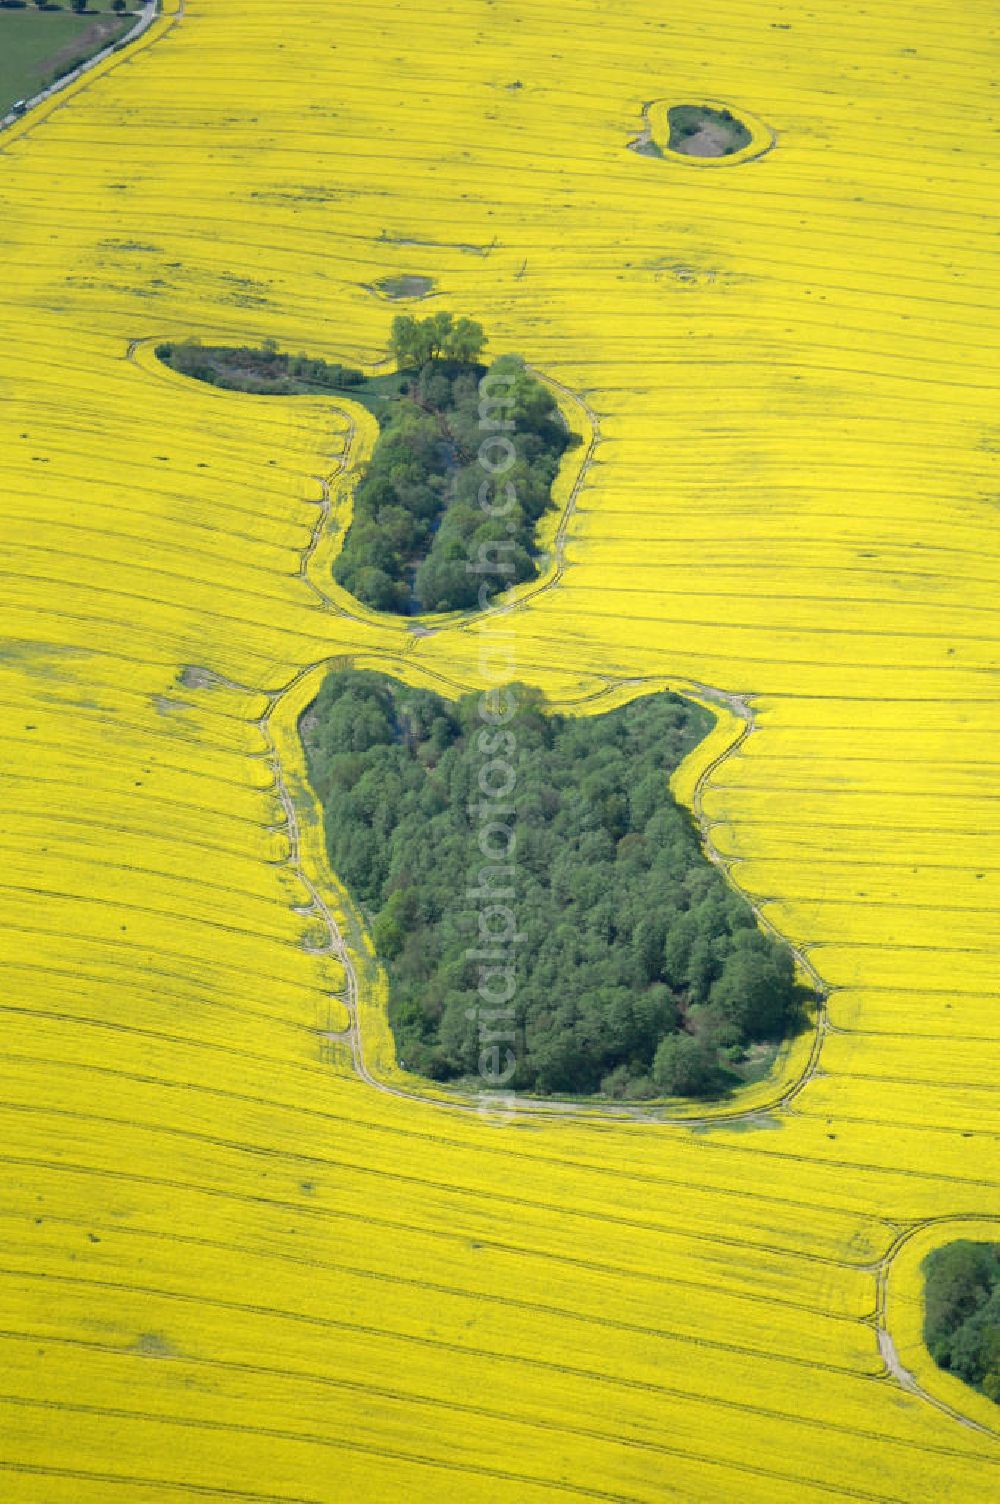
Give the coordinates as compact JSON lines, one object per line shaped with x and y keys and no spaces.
{"x":638,"y":971}
{"x":962,"y":1312}
{"x":433,"y":529}
{"x":440,"y":336}
{"x":462,"y":470}
{"x":687,"y":120}
{"x":263,"y":370}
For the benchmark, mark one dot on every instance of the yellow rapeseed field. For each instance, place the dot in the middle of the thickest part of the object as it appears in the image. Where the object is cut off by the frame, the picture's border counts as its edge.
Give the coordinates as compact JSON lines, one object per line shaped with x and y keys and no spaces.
{"x":245,"y":1257}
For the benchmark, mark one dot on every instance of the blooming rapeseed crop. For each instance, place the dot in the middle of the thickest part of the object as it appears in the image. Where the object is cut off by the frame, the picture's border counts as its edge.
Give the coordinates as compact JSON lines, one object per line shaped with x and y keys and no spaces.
{"x":233,"y":1267}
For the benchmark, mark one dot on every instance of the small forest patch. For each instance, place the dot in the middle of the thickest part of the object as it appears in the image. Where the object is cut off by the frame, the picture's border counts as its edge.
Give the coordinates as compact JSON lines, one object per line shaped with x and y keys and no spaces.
{"x":962,"y":1313}
{"x":461,"y":472}
{"x":636,"y":970}
{"x":434,"y":529}
{"x":703,"y":131}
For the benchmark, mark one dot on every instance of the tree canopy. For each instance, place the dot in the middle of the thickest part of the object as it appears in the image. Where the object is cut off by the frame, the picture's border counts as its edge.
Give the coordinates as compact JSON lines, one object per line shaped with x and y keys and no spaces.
{"x":638,"y":970}
{"x":433,"y":529}
{"x":962,"y":1312}
{"x":440,"y":336}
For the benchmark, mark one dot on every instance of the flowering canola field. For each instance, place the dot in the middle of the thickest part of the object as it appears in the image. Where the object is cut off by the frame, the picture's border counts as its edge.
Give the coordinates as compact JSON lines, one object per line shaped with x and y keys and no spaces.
{"x":232,"y":1268}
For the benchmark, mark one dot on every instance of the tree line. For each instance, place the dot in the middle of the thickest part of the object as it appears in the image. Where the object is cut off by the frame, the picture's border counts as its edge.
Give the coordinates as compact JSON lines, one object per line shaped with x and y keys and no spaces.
{"x":262,"y":370}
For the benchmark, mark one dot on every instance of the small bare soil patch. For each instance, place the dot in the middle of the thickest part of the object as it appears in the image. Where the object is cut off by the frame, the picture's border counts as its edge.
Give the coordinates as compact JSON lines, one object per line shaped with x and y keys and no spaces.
{"x":404,"y":287}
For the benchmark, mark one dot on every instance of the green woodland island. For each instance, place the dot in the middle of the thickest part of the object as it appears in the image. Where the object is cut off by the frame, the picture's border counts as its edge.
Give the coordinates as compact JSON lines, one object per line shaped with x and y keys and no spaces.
{"x":419,"y":514}
{"x":639,"y":972}
{"x":962,"y":1312}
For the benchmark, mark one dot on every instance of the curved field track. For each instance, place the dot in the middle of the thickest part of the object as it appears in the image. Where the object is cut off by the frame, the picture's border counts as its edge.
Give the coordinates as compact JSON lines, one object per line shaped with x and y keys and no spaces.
{"x":231,"y":1267}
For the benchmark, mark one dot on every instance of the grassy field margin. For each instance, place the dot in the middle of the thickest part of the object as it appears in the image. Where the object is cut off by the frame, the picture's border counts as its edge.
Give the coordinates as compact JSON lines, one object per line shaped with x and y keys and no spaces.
{"x":35,"y":71}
